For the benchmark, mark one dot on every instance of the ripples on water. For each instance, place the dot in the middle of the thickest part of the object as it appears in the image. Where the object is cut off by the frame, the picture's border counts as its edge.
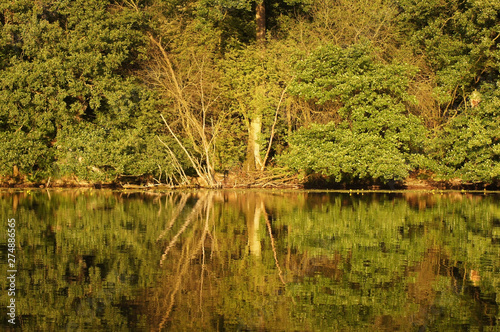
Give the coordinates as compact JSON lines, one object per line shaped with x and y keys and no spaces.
{"x":266,"y":261}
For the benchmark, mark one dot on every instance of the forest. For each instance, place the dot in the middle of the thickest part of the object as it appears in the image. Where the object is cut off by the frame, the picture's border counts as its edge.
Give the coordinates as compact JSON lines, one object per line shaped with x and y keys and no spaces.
{"x":332,"y":92}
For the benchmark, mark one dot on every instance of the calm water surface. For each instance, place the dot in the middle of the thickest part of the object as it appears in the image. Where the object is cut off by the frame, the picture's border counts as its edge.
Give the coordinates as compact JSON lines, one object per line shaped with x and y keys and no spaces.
{"x":253,"y":261}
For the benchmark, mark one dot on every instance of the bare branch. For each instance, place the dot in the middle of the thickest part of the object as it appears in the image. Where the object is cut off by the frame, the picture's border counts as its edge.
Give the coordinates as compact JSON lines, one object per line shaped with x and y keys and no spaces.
{"x":273,"y":128}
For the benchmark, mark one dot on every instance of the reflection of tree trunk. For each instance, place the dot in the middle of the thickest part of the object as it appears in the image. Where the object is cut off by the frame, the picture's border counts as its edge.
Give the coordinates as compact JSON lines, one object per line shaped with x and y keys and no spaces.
{"x":15,"y":202}
{"x":179,"y":206}
{"x":255,"y":210}
{"x":422,"y":291}
{"x":195,"y":213}
{"x":253,"y":214}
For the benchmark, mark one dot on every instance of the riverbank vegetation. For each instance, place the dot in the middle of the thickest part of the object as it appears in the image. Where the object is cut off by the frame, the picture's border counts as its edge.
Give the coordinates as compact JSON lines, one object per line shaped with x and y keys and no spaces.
{"x":204,"y":92}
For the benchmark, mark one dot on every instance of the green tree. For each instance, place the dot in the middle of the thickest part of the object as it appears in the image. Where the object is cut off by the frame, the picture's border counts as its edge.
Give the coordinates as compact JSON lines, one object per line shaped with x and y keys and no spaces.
{"x":459,"y":44}
{"x":67,"y":68}
{"x":459,"y":40}
{"x":254,"y":70}
{"x":375,"y":137}
{"x":468,"y":146}
{"x":256,"y":82}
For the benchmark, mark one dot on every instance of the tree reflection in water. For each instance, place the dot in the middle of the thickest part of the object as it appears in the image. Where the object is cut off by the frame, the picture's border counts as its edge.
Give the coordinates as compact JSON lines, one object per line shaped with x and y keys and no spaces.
{"x":255,"y":260}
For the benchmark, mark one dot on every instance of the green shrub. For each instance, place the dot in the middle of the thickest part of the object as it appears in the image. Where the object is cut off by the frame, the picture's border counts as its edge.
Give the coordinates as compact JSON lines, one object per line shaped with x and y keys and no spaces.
{"x":95,"y":153}
{"x":375,"y":138}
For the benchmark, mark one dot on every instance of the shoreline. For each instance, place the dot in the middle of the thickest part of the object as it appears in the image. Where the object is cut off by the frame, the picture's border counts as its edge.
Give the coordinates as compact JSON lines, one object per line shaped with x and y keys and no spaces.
{"x":410,"y":184}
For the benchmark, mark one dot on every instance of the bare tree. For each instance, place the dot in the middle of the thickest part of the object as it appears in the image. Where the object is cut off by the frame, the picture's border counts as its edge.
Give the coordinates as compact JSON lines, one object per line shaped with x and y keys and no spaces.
{"x":190,"y":89}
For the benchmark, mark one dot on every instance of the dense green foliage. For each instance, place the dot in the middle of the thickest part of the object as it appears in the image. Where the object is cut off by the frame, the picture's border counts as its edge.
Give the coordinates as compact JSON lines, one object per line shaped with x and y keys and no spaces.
{"x":412,"y":86}
{"x":374,"y":136}
{"x":69,"y":101}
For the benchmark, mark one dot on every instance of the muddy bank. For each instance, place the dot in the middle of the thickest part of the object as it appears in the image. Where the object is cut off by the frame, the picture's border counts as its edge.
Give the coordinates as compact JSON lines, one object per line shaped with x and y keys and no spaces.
{"x":264,"y":180}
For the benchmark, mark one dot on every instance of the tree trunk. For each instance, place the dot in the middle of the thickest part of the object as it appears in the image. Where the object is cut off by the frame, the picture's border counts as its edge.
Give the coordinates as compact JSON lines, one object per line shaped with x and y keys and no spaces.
{"x":260,"y":19}
{"x":254,"y":161}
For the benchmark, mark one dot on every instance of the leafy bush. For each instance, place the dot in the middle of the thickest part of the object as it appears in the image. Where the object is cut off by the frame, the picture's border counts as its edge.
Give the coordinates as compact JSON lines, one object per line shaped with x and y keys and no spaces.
{"x":29,"y":153}
{"x":468,"y":147}
{"x":67,"y":94}
{"x":95,"y":153}
{"x":344,"y":155}
{"x":375,"y":137}
{"x":459,"y":40}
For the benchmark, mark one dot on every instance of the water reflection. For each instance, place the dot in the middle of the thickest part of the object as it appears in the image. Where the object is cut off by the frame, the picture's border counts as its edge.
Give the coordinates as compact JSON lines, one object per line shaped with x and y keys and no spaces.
{"x":250,"y":260}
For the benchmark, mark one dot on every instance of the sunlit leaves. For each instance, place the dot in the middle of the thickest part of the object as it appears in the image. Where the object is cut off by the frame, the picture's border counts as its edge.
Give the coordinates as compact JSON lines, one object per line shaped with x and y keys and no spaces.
{"x":469,"y":144}
{"x":66,"y":62}
{"x":458,"y":39}
{"x":375,"y":134}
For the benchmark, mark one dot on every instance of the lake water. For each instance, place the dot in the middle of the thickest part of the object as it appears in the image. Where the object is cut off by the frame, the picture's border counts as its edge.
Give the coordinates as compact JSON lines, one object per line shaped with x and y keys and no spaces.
{"x":251,"y":261}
